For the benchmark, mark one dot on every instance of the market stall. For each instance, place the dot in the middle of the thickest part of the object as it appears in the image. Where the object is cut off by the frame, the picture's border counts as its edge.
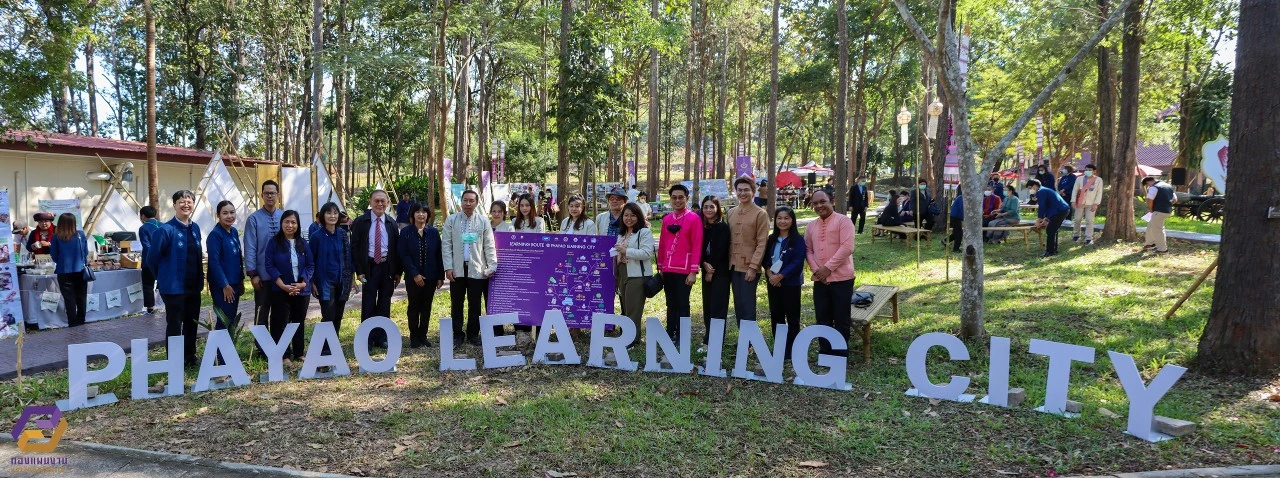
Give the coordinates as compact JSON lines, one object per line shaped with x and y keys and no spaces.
{"x":114,"y":294}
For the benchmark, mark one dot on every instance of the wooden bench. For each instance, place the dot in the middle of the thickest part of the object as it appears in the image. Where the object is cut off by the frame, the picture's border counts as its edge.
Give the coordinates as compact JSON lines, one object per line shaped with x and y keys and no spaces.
{"x":1026,"y":229}
{"x":906,"y":231}
{"x":861,"y":317}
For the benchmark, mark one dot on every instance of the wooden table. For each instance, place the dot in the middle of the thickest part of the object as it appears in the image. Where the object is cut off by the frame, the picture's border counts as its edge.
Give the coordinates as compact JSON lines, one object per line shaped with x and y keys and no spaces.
{"x":861,"y":317}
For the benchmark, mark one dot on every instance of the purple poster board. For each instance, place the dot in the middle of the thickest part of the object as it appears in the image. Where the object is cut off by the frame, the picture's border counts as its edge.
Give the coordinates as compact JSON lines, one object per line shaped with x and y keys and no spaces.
{"x":742,"y":167}
{"x":536,"y":272}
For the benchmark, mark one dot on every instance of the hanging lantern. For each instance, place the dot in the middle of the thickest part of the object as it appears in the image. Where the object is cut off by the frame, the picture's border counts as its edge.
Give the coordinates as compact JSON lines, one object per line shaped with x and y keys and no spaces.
{"x":904,"y":117}
{"x":935,"y":110}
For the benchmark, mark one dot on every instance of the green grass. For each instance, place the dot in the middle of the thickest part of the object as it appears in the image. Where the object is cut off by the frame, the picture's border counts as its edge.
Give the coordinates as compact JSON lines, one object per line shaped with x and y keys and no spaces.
{"x":524,"y":421}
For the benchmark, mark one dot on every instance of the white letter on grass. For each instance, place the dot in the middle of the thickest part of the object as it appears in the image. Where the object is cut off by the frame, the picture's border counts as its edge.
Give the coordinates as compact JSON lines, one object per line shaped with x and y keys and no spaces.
{"x":1060,"y":357}
{"x":916,"y":354}
{"x":447,"y":360}
{"x":658,"y":339}
{"x":837,"y":365}
{"x":489,"y":343}
{"x":619,"y":344}
{"x":394,"y":342}
{"x":79,"y":377}
{"x":219,"y":343}
{"x":998,"y":371}
{"x":553,"y":321}
{"x":170,"y":366}
{"x":750,"y":338}
{"x":1143,"y":398}
{"x":273,"y":350}
{"x":323,"y":334}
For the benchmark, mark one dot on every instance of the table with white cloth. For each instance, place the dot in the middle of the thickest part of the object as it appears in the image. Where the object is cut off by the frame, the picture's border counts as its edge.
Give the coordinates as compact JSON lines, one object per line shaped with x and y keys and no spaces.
{"x":116,"y":294}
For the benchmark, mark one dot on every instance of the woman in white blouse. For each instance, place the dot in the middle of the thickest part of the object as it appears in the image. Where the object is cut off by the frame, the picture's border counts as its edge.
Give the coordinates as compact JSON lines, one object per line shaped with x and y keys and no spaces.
{"x":527,"y":219}
{"x":498,"y":217}
{"x":577,"y":222}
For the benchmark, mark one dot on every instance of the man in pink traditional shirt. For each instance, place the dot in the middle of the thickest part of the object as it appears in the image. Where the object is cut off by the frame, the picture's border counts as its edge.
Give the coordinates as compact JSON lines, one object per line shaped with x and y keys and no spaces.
{"x":679,"y":255}
{"x":829,"y":250}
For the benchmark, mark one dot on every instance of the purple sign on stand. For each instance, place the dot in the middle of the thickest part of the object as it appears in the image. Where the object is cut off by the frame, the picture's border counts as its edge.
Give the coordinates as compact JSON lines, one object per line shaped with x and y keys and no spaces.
{"x":536,"y":272}
{"x":742,"y":167}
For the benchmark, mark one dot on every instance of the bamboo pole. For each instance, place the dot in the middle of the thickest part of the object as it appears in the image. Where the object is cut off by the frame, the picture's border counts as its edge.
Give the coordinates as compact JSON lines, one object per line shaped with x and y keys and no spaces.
{"x":1195,"y":285}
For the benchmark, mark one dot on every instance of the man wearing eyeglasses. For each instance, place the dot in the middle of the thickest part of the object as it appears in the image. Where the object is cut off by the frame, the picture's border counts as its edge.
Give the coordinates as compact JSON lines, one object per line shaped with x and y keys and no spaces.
{"x":261,"y":226}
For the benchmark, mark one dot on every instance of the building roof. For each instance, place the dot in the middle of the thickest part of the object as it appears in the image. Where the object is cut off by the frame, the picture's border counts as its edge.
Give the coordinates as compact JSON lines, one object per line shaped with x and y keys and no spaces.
{"x":60,"y":143}
{"x":1159,"y":156}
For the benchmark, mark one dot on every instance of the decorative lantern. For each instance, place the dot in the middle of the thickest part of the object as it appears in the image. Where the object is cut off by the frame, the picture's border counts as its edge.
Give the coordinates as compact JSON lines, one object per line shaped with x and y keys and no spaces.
{"x":935,"y":110}
{"x":904,"y":117}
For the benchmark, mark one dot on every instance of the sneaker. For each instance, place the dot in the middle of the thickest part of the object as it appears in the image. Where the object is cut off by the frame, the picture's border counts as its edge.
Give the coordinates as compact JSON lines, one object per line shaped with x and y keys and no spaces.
{"x":1149,"y":246}
{"x":1088,"y":242}
{"x":1075,"y":238}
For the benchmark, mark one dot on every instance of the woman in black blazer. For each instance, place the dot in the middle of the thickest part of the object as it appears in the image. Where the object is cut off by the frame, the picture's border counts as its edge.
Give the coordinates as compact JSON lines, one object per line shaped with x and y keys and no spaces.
{"x":889,"y":217}
{"x":715,"y":263}
{"x":419,"y":252}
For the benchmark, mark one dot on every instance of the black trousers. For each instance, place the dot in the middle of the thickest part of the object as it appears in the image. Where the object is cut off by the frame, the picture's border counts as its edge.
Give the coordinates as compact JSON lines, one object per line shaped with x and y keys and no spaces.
{"x":470,"y":291}
{"x":715,"y":301}
{"x":957,"y":233}
{"x":831,"y":307}
{"x":75,"y":296}
{"x":262,"y":304}
{"x":180,"y":314}
{"x":859,"y":217}
{"x":148,"y":288}
{"x":419,"y":309}
{"x":1051,"y":233}
{"x":375,"y":299}
{"x":677,"y":295}
{"x":331,"y":311}
{"x":286,"y":309}
{"x":784,"y":308}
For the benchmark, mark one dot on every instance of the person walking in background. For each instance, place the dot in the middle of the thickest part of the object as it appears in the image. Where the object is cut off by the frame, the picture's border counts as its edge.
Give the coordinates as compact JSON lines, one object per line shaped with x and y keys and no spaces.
{"x":1052,"y":211}
{"x":859,"y":201}
{"x":259,"y":228}
{"x":332,"y":280}
{"x":470,"y":258}
{"x":829,"y":244}
{"x":750,"y":225}
{"x":402,"y":211}
{"x":289,"y":268}
{"x":149,"y":225}
{"x":609,"y":222}
{"x":1086,"y":196}
{"x":498,"y":217}
{"x":175,"y":259}
{"x":715,"y":264}
{"x":226,"y":268}
{"x":70,"y":253}
{"x":1006,"y":216}
{"x":373,"y":242}
{"x":679,"y":256}
{"x":1160,"y":199}
{"x":634,"y":263}
{"x":577,"y":221}
{"x":784,"y":266}
{"x":423,"y":265}
{"x":956,"y":217}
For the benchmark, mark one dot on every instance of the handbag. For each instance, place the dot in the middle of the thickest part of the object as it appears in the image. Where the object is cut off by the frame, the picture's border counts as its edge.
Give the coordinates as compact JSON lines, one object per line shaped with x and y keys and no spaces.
{"x":863,"y":300}
{"x":652,"y":285}
{"x":87,"y":273}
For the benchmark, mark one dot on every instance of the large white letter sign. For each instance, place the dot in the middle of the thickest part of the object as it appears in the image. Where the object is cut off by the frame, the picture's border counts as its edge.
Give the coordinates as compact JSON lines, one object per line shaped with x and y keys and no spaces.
{"x":715,"y":347}
{"x":489,"y":343}
{"x":619,"y":344}
{"x":219,"y":343}
{"x":836,"y":365}
{"x":1060,"y":357}
{"x":916,"y":354}
{"x":1143,"y":399}
{"x":998,"y":380}
{"x":447,"y":360}
{"x":553,"y":321}
{"x":750,"y":338}
{"x":274,"y":350}
{"x":79,"y":377}
{"x":323,"y":334}
{"x":143,"y":369}
{"x":394,"y":342}
{"x":658,"y":338}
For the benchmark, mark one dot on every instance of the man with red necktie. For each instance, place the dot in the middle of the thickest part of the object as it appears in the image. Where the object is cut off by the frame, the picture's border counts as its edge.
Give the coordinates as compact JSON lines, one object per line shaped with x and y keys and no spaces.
{"x":373,"y":242}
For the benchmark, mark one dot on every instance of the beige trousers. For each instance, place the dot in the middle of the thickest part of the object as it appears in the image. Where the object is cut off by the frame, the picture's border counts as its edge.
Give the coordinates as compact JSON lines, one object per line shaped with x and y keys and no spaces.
{"x":1155,"y":231}
{"x":1083,"y":218}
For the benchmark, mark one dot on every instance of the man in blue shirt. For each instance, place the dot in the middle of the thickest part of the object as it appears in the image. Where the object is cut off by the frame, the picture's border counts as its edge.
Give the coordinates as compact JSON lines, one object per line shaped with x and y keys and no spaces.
{"x":1052,"y":211}
{"x":957,"y":221}
{"x":149,"y":225}
{"x":402,"y":211}
{"x":261,"y":226}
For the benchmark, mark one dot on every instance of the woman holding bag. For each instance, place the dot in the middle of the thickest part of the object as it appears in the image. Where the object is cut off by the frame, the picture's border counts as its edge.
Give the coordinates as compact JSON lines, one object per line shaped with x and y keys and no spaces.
{"x":70,"y":254}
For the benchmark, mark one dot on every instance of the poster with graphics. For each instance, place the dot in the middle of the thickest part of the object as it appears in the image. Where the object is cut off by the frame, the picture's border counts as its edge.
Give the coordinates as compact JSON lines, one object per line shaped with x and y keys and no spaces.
{"x":10,"y":299}
{"x":572,"y":273}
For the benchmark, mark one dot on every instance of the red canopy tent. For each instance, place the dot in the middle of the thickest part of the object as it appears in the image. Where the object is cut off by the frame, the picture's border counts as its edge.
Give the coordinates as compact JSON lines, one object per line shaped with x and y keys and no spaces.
{"x":787,"y":178}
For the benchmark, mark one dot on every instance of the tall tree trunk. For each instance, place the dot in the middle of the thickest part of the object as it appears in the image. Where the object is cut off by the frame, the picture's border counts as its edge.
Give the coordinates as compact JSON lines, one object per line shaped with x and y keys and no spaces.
{"x":340,"y":103}
{"x":89,"y":74}
{"x":841,"y":120}
{"x":1242,"y":335}
{"x":1120,"y":222}
{"x":653,"y":149}
{"x":1105,"y":149}
{"x":771,"y":130}
{"x":562,"y":98}
{"x":462,"y":113}
{"x":719,"y":154}
{"x":153,"y":168}
{"x":443,"y":105}
{"x":317,"y":77}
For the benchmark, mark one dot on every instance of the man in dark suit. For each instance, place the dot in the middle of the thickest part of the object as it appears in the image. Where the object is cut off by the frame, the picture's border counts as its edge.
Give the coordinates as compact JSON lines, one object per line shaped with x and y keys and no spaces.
{"x":373,"y":244}
{"x":858,"y":202}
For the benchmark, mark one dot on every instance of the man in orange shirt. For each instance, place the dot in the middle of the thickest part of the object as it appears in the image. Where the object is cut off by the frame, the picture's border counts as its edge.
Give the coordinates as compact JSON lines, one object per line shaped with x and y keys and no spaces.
{"x":829,"y":251}
{"x":749,"y":225}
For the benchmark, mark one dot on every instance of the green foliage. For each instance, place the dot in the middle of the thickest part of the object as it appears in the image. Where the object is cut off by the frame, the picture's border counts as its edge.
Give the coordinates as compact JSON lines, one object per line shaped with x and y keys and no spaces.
{"x":1210,"y":113}
{"x":38,"y":41}
{"x":419,"y":188}
{"x":360,"y":202}
{"x":590,"y":106}
{"x":529,"y":158}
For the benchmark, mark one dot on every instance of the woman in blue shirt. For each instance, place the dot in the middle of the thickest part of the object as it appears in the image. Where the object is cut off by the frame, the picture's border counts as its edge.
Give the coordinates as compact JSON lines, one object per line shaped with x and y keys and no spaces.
{"x":784,"y":254}
{"x":419,"y":252}
{"x":1052,"y":211}
{"x":226,"y":268}
{"x":69,"y":254}
{"x":289,"y":269}
{"x":174,"y":256}
{"x":330,"y":247}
